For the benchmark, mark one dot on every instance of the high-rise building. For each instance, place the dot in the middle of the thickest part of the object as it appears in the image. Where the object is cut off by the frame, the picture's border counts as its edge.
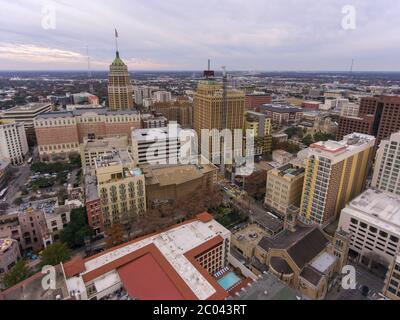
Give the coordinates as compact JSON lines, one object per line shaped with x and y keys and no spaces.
{"x":372,"y":220}
{"x":378,"y":116}
{"x":387,"y":166}
{"x":120,"y":89}
{"x":216,"y":109}
{"x":260,"y":124}
{"x":392,"y":282}
{"x":13,"y":143}
{"x":335,"y":174}
{"x":162,"y":96}
{"x":142,"y":93}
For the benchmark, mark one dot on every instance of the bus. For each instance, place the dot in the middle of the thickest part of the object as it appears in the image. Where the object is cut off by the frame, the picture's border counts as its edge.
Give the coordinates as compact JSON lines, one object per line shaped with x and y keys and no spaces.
{"x":3,"y":193}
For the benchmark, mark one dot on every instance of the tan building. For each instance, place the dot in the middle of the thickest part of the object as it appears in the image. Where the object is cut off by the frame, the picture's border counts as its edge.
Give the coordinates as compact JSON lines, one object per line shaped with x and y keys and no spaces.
{"x":284,"y":187}
{"x":281,"y":156}
{"x":392,"y":282}
{"x":172,"y":183}
{"x":10,"y":228}
{"x":335,"y":174}
{"x":260,"y":125}
{"x":60,"y":133}
{"x":210,"y":112}
{"x":35,"y":235}
{"x":9,"y":255}
{"x":91,"y":149}
{"x":180,"y":111}
{"x":13,"y":143}
{"x":120,"y":89}
{"x":121,"y":187}
{"x":58,"y":219}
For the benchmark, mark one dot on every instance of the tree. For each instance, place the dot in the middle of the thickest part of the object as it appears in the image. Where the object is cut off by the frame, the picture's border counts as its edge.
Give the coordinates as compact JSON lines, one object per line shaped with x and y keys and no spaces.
{"x":55,"y":253}
{"x":255,"y":185}
{"x":114,"y":235}
{"x":308,"y":140}
{"x":77,"y":230}
{"x":18,"y":273}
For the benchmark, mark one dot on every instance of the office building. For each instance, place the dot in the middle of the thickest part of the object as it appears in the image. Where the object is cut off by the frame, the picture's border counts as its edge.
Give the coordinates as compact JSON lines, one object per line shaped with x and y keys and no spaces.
{"x":13,"y":142}
{"x":282,"y":114}
{"x":155,"y":120}
{"x":120,"y":89}
{"x":176,"y":264}
{"x":156,"y":145}
{"x":121,"y":187}
{"x":387,"y":166}
{"x":180,"y":111}
{"x":211,"y":112}
{"x":141,"y":93}
{"x":60,"y":133}
{"x":284,"y":187}
{"x":373,"y":220}
{"x":254,"y":101}
{"x":260,"y":125}
{"x":378,"y":116}
{"x":162,"y":96}
{"x":335,"y":174}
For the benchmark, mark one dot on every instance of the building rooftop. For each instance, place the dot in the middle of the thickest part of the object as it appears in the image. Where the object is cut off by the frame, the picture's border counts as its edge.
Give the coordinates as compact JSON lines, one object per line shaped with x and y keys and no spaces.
{"x":377,"y":207}
{"x":168,"y":254}
{"x":120,"y":157}
{"x":82,"y":111}
{"x":91,"y":192}
{"x":289,"y":170}
{"x":280,"y":108}
{"x":323,"y":262}
{"x":112,"y":142}
{"x":152,"y":134}
{"x":5,"y":244}
{"x":28,"y":108}
{"x":267,"y":287}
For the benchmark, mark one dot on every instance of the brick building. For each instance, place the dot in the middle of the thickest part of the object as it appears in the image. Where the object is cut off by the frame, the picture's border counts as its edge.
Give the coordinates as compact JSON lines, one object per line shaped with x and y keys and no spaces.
{"x":255,"y":100}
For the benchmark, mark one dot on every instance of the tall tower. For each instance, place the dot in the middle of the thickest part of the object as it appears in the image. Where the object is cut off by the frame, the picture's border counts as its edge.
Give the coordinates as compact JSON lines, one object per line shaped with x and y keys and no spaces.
{"x":216,"y":106}
{"x":335,"y":174}
{"x":120,"y":89}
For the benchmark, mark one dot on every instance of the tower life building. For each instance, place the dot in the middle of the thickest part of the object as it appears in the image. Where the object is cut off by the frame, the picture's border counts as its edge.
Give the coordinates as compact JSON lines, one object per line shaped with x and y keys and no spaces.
{"x":120,"y":89}
{"x":387,"y":166}
{"x":217,"y":107}
{"x":335,"y":174}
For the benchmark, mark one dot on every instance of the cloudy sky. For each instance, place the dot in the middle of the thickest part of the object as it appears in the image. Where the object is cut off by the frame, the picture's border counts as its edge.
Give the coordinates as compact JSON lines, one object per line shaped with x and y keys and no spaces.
{"x":182,"y":34}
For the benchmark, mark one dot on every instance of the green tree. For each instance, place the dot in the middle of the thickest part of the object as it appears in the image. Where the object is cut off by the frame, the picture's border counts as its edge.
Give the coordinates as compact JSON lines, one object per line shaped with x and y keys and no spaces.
{"x":308,"y":140}
{"x":75,"y":232}
{"x":18,"y":273}
{"x":55,"y":253}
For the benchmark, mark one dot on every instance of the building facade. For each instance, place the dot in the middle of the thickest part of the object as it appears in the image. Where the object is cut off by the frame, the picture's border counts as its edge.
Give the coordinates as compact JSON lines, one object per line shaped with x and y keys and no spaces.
{"x":9,"y":255}
{"x":120,"y":89}
{"x":387,"y":166}
{"x":284,"y":187}
{"x":392,"y":282}
{"x":60,"y":133}
{"x":282,"y":114}
{"x":254,"y":101}
{"x":335,"y":174}
{"x":13,"y":143}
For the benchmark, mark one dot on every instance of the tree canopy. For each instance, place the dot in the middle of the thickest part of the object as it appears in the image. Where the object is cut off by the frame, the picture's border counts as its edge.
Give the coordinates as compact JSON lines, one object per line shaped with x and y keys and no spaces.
{"x":18,"y":273}
{"x":55,"y":253}
{"x":77,"y":230}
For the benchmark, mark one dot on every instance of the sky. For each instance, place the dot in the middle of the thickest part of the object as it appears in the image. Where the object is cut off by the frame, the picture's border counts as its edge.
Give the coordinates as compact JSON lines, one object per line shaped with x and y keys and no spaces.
{"x":251,"y":35}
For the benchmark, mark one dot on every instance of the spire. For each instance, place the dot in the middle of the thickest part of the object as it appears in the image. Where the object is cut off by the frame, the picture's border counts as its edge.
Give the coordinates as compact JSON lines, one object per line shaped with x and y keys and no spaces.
{"x":117,"y":61}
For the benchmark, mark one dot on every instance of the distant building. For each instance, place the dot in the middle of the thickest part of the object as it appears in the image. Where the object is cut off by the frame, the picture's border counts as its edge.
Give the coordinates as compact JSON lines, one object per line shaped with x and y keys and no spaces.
{"x":85,"y":98}
{"x":141,"y":93}
{"x":58,"y":219}
{"x":282,"y":114}
{"x":261,"y":127}
{"x":180,"y":111}
{"x":335,"y":174}
{"x":372,"y":220}
{"x":27,"y":114}
{"x":281,"y":156}
{"x":378,"y":116}
{"x":162,"y":96}
{"x":154,"y":121}
{"x":121,"y":187}
{"x":254,"y":101}
{"x":176,"y":264}
{"x":9,"y":255}
{"x":93,"y":205}
{"x":310,"y":105}
{"x":387,"y":166}
{"x":120,"y":89}
{"x":284,"y":187}
{"x":173,"y":183}
{"x":13,"y":143}
{"x":60,"y":133}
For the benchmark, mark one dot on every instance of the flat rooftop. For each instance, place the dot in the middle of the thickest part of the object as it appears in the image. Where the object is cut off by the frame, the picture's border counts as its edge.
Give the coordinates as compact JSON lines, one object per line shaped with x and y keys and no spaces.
{"x":152,"y":134}
{"x":123,"y":158}
{"x":82,"y":111}
{"x":251,"y":234}
{"x":377,"y":207}
{"x":266,"y":287}
{"x":28,"y":108}
{"x":91,"y":192}
{"x":112,"y":142}
{"x":172,"y":248}
{"x":281,"y":108}
{"x":5,"y":244}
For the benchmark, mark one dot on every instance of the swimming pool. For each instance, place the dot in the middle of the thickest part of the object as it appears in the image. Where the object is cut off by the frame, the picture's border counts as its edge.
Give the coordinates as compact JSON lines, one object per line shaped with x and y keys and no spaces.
{"x":229,"y":280}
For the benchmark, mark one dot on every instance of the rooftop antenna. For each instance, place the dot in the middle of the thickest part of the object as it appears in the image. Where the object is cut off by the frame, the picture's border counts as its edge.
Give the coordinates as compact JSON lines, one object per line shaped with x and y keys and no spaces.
{"x":91,"y":89}
{"x":209,"y":74}
{"x":116,"y":42}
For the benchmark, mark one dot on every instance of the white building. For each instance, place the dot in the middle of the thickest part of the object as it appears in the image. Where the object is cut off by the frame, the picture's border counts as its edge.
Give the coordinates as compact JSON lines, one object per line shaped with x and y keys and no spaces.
{"x":162,"y":96}
{"x":13,"y":143}
{"x":156,"y":145}
{"x":387,"y":167}
{"x":373,"y":220}
{"x":141,"y":92}
{"x":176,"y":264}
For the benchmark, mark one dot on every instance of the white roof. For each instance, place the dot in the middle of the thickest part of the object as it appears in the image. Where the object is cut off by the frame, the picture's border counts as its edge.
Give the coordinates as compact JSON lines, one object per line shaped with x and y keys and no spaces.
{"x":173,"y":244}
{"x":323,"y":262}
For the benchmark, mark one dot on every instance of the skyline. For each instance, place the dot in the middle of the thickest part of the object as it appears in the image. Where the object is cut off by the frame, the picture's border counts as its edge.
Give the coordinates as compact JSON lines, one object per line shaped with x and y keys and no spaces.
{"x":155,"y":36}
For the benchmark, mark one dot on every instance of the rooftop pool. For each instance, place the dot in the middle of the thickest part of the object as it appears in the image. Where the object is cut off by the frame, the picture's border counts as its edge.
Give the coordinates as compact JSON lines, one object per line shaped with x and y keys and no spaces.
{"x":229,"y":280}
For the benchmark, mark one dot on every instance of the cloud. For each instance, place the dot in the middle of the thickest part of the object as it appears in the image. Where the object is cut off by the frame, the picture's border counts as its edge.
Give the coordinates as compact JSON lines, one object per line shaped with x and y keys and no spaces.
{"x":181,"y":34}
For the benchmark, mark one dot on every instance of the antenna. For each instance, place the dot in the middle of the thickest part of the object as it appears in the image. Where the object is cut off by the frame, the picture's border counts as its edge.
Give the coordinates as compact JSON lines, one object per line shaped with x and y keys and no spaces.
{"x":91,"y":89}
{"x":209,"y":74}
{"x":116,"y":41}
{"x":351,"y":67}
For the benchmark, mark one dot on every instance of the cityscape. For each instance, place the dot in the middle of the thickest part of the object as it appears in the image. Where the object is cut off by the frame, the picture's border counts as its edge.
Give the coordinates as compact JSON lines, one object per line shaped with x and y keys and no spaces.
{"x":201,"y":181}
